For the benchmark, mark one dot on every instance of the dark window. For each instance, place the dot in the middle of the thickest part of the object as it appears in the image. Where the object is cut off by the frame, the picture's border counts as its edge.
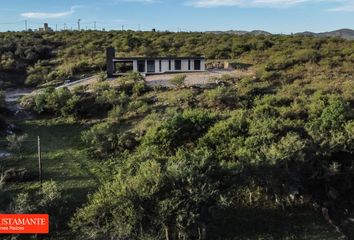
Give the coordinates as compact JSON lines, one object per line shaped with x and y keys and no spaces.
{"x":160,"y":66}
{"x":197,"y":65}
{"x":150,"y":66}
{"x":189,"y":64}
{"x":178,"y":65}
{"x":169,"y":65}
{"x":124,"y":67}
{"x":141,"y":66}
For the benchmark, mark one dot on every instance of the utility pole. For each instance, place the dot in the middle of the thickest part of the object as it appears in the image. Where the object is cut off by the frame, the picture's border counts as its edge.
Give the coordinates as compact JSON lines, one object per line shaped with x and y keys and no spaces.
{"x":26,"y":25}
{"x":122,"y":27}
{"x":64,"y":26}
{"x":56,"y":27}
{"x":78,"y":24}
{"x":39,"y":160}
{"x":94,"y":25}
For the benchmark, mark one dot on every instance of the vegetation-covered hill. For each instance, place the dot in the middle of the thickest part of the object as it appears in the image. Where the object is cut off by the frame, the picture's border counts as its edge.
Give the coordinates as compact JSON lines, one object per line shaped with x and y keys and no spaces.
{"x":37,"y":58}
{"x":342,"y":33}
{"x":263,"y":157}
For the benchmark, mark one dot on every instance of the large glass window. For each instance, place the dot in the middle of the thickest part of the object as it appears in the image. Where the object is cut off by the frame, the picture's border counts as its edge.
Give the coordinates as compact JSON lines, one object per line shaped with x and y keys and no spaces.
{"x":141,"y":66}
{"x":197,"y":64}
{"x":124,"y":66}
{"x":151,"y":66}
{"x":178,"y":65}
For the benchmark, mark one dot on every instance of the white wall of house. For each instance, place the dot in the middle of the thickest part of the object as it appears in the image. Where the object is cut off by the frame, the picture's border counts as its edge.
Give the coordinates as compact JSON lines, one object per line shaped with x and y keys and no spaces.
{"x":165,"y":65}
{"x":202,"y":66}
{"x":135,"y":65}
{"x":184,"y":65}
{"x":192,"y":64}
{"x":157,"y":66}
{"x":172,"y":65}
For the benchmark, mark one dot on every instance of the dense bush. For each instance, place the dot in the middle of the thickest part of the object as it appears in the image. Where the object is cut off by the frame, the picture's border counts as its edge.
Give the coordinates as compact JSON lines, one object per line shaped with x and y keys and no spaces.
{"x":182,"y":129}
{"x":195,"y":163}
{"x":221,"y":97}
{"x":104,"y":139}
{"x":47,"y":198}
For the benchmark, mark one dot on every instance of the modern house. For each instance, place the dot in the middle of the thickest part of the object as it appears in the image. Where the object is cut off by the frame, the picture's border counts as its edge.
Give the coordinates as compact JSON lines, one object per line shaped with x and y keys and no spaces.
{"x":152,"y":65}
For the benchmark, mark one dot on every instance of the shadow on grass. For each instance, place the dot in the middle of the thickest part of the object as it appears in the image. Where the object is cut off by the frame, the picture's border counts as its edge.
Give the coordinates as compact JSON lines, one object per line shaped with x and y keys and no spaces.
{"x":258,"y":223}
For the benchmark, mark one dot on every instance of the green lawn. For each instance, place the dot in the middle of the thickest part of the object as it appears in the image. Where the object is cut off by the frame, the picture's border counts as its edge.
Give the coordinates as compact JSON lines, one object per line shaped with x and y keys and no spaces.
{"x":64,"y":160}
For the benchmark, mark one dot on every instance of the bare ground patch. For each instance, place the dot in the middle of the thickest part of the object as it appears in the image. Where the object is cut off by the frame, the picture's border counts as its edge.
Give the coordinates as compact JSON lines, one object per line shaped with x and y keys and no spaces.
{"x":198,"y":78}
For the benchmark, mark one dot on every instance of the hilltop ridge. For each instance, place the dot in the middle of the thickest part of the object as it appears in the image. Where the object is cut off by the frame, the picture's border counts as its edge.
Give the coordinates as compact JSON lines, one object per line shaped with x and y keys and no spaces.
{"x":345,"y":33}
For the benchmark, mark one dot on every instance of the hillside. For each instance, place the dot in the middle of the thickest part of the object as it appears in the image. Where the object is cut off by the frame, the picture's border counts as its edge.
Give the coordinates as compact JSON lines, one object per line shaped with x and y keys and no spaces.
{"x":265,"y":153}
{"x":240,"y":33}
{"x":341,"y":33}
{"x":35,"y":59}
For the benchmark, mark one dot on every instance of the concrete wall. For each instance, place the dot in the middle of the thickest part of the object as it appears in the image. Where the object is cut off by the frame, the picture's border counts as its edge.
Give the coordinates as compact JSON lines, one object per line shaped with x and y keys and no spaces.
{"x":184,"y":65}
{"x":135,"y":65}
{"x":157,"y":66}
{"x":192,"y":64}
{"x":202,"y":65}
{"x":164,"y":65}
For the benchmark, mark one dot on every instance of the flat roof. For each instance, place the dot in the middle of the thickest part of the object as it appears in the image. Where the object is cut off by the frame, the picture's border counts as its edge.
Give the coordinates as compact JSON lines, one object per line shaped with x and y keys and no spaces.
{"x":157,"y":58}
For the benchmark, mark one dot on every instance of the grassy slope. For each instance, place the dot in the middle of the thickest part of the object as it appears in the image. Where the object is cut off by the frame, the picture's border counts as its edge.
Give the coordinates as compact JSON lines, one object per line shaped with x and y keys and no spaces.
{"x":65,"y":160}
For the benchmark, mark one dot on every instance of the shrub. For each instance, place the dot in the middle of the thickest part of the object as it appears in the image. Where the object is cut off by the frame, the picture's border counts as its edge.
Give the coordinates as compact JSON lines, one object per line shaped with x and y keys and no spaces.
{"x":116,"y":113}
{"x":139,"y":88}
{"x":106,"y":139}
{"x":101,"y":77}
{"x":101,"y":137}
{"x":2,"y":99}
{"x":182,"y":129}
{"x":178,"y":80}
{"x":220,"y":96}
{"x":290,"y":148}
{"x":18,"y":175}
{"x":138,"y":107}
{"x":15,"y":142}
{"x":23,"y":204}
{"x":51,"y":194}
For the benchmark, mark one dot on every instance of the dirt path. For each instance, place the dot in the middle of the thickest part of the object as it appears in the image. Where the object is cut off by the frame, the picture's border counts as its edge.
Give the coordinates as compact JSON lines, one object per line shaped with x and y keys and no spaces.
{"x":82,"y":82}
{"x":198,"y":78}
{"x":12,"y":97}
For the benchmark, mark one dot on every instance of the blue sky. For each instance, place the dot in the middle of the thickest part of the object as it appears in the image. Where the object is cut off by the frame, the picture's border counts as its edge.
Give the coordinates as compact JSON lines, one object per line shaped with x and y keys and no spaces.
{"x":276,"y":16}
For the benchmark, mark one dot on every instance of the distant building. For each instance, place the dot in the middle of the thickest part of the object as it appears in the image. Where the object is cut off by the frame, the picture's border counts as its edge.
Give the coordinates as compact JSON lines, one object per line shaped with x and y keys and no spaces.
{"x":152,"y":65}
{"x":45,"y":28}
